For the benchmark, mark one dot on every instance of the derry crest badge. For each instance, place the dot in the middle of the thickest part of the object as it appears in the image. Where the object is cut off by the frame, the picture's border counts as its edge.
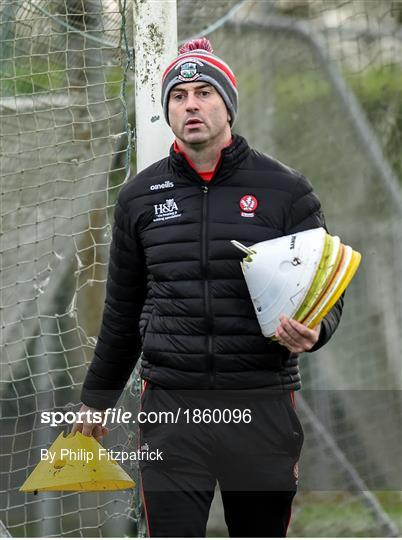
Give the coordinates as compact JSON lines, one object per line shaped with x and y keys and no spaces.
{"x":248,"y":205}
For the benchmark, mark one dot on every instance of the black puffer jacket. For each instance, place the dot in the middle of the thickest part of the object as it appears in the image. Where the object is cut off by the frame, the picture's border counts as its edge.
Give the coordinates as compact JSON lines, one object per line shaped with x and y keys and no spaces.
{"x":175,"y":287}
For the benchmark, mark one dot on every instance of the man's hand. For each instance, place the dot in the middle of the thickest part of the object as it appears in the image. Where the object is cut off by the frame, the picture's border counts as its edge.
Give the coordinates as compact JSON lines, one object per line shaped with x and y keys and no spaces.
{"x":88,"y":427}
{"x":295,"y":336}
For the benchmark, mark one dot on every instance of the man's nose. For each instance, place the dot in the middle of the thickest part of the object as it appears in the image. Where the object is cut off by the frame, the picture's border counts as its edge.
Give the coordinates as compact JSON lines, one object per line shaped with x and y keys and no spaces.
{"x":191,"y":103}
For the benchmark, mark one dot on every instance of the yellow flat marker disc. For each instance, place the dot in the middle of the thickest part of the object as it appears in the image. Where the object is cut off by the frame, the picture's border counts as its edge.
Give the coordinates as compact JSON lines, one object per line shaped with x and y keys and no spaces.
{"x":315,"y":284}
{"x":333,"y":263}
{"x":324,"y":272}
{"x":347,"y":278}
{"x":342,"y":268}
{"x":330,"y":287}
{"x":333,"y":297}
{"x":332,"y":276}
{"x":333,"y":270}
{"x":338,"y":288}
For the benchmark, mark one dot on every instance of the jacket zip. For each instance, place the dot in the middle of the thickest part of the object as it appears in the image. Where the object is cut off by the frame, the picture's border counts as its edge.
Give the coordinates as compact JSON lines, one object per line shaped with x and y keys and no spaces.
{"x":204,"y":268}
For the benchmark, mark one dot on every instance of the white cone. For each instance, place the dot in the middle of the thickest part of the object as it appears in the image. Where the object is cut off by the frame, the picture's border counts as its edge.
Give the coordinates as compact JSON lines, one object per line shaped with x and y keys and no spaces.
{"x":279,"y":273}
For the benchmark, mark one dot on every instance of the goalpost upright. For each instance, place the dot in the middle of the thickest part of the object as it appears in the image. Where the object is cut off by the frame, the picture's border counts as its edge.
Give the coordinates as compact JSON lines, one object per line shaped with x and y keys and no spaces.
{"x":155,"y":43}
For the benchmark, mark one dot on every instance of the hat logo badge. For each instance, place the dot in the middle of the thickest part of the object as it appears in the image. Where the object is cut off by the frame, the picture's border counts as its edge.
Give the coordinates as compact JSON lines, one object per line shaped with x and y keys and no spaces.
{"x":188,"y":71}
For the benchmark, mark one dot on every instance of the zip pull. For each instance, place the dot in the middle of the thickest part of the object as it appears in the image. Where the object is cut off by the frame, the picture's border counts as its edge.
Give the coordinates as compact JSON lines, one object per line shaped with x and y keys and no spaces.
{"x":204,"y":189}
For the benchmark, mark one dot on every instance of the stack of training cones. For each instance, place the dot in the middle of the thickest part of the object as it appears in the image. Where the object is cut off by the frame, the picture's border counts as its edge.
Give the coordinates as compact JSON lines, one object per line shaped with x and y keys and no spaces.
{"x":301,"y":275}
{"x":75,"y":464}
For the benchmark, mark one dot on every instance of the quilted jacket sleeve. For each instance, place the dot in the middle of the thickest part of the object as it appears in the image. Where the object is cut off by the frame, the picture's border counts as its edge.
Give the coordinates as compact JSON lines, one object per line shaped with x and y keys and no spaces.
{"x":118,"y":346}
{"x":306,"y":213}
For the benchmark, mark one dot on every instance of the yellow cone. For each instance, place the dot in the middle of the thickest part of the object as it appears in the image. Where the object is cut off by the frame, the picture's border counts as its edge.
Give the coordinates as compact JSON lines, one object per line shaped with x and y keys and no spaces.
{"x":77,"y":465}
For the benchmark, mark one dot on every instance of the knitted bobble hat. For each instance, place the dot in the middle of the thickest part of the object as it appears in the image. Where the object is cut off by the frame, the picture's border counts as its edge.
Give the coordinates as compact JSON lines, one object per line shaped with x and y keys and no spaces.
{"x":196,"y":62}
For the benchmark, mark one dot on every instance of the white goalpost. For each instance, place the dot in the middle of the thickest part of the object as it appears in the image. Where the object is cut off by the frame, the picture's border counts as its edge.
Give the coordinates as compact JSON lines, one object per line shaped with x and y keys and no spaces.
{"x":155,"y":44}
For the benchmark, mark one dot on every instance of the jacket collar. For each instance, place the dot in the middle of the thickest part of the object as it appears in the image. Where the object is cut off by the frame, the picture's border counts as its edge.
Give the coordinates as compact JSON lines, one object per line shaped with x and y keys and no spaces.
{"x":232,"y":157}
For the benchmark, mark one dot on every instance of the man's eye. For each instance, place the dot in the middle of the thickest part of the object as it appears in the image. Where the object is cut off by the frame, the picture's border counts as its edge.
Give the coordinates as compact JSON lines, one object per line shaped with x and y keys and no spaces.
{"x":205,"y":93}
{"x":177,"y":97}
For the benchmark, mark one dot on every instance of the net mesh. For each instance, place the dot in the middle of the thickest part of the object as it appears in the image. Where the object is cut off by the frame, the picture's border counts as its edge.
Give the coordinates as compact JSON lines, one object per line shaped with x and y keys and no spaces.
{"x":65,"y":147}
{"x":319,"y":86}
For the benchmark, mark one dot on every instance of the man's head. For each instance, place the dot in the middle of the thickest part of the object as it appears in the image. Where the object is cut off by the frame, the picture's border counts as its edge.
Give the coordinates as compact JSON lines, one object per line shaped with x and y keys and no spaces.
{"x":197,"y":114}
{"x":196,"y":63}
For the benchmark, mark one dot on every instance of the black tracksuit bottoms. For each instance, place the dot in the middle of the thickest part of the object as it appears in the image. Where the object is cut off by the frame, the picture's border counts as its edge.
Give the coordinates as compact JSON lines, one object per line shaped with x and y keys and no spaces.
{"x":247,"y":440}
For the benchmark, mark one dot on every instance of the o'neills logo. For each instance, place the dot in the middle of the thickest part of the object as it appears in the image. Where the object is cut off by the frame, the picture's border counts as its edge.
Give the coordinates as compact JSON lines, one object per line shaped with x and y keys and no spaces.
{"x":292,"y":241}
{"x":166,"y":210}
{"x":165,"y":185}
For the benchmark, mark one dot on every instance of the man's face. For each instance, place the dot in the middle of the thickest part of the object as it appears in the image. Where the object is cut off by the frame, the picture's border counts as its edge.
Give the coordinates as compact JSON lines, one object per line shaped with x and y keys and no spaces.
{"x":197,"y":113}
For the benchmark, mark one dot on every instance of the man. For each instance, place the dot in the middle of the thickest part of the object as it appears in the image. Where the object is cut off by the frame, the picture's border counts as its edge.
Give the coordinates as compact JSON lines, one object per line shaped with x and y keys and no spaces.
{"x":175,"y":290}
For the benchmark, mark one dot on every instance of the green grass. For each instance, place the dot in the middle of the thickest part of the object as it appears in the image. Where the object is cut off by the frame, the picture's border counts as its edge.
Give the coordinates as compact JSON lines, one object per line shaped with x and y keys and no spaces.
{"x":373,"y":87}
{"x":336,"y":514}
{"x":303,"y":95}
{"x":30,"y":75}
{"x":377,"y":84}
{"x":35,"y":75}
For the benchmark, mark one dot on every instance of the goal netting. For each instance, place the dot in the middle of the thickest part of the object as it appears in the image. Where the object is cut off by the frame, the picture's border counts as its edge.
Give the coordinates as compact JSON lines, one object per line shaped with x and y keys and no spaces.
{"x":319,"y":85}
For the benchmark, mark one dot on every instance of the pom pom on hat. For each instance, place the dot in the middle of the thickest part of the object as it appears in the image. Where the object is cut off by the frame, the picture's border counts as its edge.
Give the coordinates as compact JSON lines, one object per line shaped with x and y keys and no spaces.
{"x":195,"y":44}
{"x":196,"y":62}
